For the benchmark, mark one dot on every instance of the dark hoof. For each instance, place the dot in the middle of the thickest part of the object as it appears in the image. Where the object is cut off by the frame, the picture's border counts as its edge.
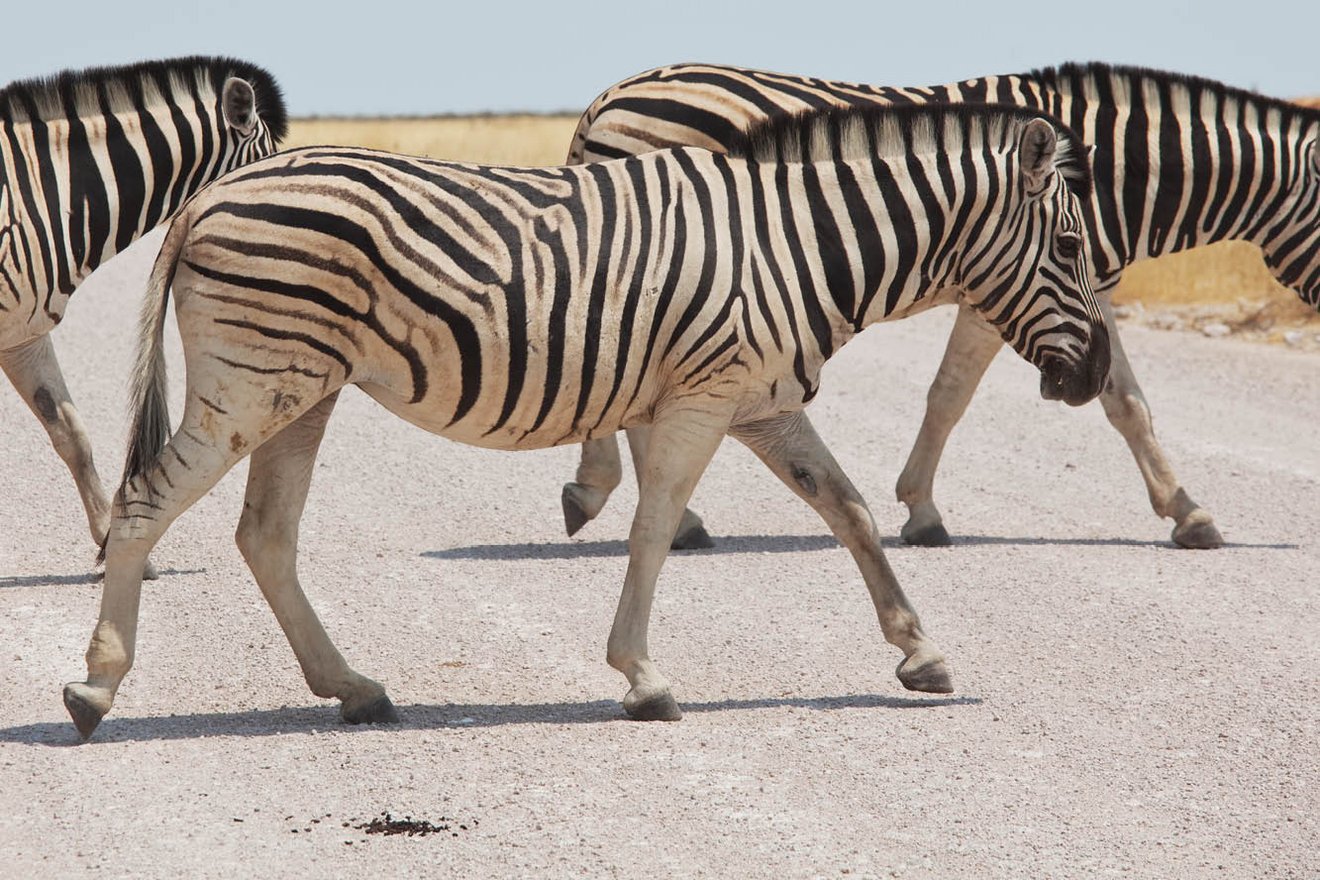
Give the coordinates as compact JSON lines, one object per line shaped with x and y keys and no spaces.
{"x":661,"y":707}
{"x":378,"y":711}
{"x":574,"y":516}
{"x":86,"y":716}
{"x":1198,"y":536}
{"x":928,"y":536}
{"x":695,"y":538}
{"x":933,"y":678}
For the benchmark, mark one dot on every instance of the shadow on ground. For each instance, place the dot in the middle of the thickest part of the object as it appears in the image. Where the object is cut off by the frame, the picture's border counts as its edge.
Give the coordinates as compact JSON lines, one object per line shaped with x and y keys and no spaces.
{"x":786,"y":544}
{"x":307,"y":719}
{"x":84,"y":579}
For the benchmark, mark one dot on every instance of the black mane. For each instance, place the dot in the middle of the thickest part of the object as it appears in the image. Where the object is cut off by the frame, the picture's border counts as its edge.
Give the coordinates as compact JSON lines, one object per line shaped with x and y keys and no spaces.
{"x":1072,"y":75}
{"x":123,"y":88}
{"x":841,"y":133}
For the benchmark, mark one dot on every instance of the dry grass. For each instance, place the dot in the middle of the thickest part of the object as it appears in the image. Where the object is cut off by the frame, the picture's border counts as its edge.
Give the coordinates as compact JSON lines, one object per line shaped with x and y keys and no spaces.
{"x":1229,"y":273}
{"x":492,"y":140}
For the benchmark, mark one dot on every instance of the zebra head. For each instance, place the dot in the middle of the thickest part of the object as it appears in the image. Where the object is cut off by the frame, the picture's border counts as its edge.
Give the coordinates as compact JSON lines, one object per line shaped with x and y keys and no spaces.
{"x":1033,"y":280}
{"x":1292,"y":245}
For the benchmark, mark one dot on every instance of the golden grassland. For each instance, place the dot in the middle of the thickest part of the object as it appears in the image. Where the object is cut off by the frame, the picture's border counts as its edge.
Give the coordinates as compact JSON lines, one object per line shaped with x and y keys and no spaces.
{"x":492,"y":140}
{"x":1228,"y":274}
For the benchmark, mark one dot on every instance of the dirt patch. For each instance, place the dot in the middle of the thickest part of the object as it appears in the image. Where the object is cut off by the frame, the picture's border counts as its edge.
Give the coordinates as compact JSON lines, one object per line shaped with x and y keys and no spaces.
{"x":387,"y":825}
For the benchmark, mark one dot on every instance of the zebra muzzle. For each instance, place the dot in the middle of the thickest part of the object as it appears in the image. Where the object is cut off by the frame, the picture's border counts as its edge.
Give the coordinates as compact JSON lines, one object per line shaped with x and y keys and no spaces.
{"x":1077,"y":381}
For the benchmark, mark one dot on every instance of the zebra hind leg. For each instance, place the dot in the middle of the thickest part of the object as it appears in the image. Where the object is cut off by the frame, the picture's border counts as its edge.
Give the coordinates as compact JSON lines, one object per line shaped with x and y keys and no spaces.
{"x":1127,"y":410}
{"x":681,"y":444}
{"x":185,"y":470}
{"x":790,"y":447}
{"x":691,"y":534}
{"x":598,"y":474}
{"x":278,"y":479}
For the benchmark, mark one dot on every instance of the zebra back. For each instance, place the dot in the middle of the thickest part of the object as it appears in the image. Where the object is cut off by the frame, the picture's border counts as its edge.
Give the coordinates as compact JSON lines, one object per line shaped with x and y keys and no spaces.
{"x":1179,"y":161}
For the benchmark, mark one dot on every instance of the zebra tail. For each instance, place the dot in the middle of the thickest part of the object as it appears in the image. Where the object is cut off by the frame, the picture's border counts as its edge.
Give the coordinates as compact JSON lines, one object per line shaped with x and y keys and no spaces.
{"x":148,"y":386}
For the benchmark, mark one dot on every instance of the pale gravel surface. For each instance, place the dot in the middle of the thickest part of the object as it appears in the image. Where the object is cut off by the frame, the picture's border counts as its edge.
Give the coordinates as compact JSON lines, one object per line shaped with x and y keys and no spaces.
{"x":1123,"y":708}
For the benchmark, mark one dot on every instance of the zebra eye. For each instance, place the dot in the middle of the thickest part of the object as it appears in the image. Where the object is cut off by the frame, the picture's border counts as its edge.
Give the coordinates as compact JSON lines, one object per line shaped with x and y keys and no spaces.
{"x":1069,"y":246}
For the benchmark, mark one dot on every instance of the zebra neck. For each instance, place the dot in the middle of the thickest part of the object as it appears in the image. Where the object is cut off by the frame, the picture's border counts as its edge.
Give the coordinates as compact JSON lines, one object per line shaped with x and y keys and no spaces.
{"x":1178,"y":164}
{"x":85,"y":187}
{"x":861,"y":247}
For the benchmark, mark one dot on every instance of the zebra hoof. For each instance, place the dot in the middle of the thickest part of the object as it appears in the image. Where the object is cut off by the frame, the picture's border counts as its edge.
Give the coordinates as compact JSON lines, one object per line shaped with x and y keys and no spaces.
{"x":84,"y":704}
{"x":696,"y":538}
{"x":575,"y":516}
{"x":934,"y":535}
{"x":929,"y":678}
{"x":1198,"y":532}
{"x":377,"y":711}
{"x":656,"y":707}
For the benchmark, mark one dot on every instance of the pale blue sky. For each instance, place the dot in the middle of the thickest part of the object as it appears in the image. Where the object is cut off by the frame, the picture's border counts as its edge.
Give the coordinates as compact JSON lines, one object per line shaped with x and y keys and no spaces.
{"x":386,"y":57}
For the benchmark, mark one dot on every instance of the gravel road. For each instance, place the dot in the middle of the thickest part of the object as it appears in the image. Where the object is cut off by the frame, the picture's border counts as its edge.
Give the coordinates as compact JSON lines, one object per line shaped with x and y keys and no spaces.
{"x":1123,"y":708}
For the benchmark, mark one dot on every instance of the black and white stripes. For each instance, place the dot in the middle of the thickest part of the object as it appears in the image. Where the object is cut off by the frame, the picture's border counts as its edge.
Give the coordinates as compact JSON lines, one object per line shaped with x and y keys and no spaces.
{"x":1179,"y":160}
{"x":89,"y":161}
{"x":92,"y":159}
{"x":696,"y":292}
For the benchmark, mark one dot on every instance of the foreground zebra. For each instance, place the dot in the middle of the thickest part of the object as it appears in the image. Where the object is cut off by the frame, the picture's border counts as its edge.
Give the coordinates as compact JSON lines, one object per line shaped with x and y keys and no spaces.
{"x":522,"y":308}
{"x":1179,"y":162}
{"x":90,"y":160}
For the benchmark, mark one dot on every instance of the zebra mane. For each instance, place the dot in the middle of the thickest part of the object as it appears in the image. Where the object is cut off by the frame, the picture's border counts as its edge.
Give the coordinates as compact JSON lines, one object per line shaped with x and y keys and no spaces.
{"x":97,"y":90}
{"x":858,"y":132}
{"x":1126,"y":81}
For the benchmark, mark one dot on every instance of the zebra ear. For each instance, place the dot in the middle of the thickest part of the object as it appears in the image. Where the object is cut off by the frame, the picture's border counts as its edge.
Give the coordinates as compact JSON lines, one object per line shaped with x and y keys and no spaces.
{"x":1036,"y":150}
{"x":238,"y":103}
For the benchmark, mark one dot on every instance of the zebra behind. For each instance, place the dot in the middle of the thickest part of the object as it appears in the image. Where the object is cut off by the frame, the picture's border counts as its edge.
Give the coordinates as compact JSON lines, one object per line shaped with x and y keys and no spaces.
{"x":695,"y":292}
{"x":89,"y":161}
{"x":1179,"y":162}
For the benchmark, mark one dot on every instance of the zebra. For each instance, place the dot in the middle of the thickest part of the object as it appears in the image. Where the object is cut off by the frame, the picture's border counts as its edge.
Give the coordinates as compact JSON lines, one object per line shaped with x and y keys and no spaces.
{"x":90,"y":160}
{"x":516,"y":309}
{"x":1179,"y":162}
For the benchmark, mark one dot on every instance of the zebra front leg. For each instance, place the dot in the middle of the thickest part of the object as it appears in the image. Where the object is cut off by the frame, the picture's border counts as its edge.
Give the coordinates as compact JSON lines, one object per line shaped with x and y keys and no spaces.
{"x":680,"y":446}
{"x":185,"y":470}
{"x":598,"y":474}
{"x":790,"y":447}
{"x":279,"y":475}
{"x":972,"y":345}
{"x":691,"y":534}
{"x":35,"y":373}
{"x":1128,"y":411}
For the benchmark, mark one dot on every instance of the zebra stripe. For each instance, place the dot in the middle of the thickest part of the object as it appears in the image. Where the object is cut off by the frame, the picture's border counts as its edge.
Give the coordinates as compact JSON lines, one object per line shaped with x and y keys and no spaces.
{"x":521,"y":308}
{"x":89,"y":161}
{"x":1179,"y":161}
{"x":92,"y":159}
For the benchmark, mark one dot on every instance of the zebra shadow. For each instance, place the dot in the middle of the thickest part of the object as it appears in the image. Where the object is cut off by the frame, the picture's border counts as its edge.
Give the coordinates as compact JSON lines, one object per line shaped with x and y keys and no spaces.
{"x":590,"y":549}
{"x":729,"y":544}
{"x":425,"y":716}
{"x":89,"y":578}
